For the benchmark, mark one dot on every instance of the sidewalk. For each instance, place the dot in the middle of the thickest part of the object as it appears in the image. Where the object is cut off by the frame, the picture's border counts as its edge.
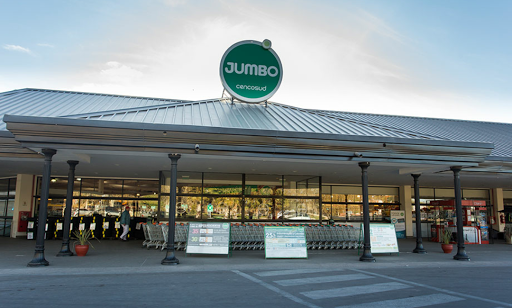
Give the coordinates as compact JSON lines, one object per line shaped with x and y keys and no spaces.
{"x":118,"y":257}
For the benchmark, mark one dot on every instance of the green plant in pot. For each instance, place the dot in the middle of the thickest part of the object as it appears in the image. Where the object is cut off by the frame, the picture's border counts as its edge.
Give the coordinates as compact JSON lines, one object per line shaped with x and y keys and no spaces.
{"x":82,"y":242}
{"x":446,"y":237}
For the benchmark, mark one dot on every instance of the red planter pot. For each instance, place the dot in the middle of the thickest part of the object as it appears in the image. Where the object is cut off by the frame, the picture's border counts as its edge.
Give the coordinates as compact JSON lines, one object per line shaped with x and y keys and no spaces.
{"x":447,"y":248}
{"x":81,"y":250}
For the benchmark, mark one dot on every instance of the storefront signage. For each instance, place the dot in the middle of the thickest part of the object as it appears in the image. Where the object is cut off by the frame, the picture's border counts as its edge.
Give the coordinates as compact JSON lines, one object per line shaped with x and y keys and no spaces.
{"x":251,"y":71}
{"x":208,"y":237}
{"x":398,"y":219}
{"x":285,"y":242}
{"x":382,"y":238}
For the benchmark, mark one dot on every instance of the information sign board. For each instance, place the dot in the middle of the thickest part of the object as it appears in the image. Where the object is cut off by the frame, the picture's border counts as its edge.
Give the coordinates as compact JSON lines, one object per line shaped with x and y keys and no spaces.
{"x":208,"y":237}
{"x":398,"y":219}
{"x":382,"y":238}
{"x":285,"y":242}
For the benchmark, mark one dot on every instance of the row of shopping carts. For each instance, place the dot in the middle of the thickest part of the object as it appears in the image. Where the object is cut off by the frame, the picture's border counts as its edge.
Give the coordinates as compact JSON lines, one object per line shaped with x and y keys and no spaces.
{"x":156,"y":235}
{"x":252,"y":236}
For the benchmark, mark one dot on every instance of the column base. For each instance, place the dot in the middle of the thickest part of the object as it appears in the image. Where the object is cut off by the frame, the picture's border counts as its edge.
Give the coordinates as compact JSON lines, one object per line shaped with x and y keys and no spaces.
{"x":170,"y":259}
{"x":367,"y":257}
{"x":419,"y":250}
{"x":461,"y":257}
{"x":65,"y":251}
{"x":38,"y":260}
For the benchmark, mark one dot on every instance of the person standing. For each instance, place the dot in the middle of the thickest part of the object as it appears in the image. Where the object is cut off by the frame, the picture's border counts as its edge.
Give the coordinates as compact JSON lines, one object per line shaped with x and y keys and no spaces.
{"x":125,"y":223}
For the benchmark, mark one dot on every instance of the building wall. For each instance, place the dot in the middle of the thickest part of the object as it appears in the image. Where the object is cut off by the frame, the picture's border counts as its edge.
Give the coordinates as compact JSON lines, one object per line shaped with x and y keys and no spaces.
{"x":25,"y":186}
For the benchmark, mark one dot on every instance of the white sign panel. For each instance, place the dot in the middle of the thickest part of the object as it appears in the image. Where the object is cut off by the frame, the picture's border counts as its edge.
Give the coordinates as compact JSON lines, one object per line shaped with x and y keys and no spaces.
{"x":208,"y":237}
{"x":285,"y":242}
{"x":382,"y":238}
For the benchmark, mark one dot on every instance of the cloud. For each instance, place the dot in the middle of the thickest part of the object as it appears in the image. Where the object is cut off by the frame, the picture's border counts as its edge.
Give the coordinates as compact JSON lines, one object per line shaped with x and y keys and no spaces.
{"x":174,"y":3}
{"x":17,"y":48}
{"x":46,"y":45}
{"x":119,"y":73}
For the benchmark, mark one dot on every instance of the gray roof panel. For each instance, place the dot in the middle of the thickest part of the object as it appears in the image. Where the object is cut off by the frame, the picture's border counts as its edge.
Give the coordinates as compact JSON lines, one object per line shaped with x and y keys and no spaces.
{"x":223,"y":113}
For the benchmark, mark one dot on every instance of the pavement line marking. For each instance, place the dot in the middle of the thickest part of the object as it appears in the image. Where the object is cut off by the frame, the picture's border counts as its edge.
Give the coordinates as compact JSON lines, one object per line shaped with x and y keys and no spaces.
{"x":323,"y":279}
{"x":277,"y":290}
{"x":434,"y":288}
{"x":356,"y":290}
{"x":294,"y":272}
{"x":410,"y":302}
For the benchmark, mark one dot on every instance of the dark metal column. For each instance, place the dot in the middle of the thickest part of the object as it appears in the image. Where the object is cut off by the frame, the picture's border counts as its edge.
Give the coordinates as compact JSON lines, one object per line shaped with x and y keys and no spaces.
{"x":367,"y":253}
{"x":419,"y":241}
{"x":64,"y":250}
{"x":461,"y":250}
{"x":39,"y":259}
{"x":170,"y":258}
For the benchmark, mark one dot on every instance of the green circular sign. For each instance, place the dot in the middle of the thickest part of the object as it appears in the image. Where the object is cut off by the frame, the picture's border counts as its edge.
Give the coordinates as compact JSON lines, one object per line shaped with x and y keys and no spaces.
{"x":251,"y":71}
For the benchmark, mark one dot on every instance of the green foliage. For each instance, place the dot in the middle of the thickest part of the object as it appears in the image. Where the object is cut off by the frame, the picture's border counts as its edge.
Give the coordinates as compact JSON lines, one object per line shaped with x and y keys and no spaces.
{"x":446,"y":236}
{"x":83,"y":237}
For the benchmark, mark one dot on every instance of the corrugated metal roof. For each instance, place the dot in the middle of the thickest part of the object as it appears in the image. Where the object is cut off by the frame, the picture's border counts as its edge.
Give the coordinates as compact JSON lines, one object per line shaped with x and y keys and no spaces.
{"x":457,"y":130}
{"x":223,"y":113}
{"x":227,"y":114}
{"x":51,"y":103}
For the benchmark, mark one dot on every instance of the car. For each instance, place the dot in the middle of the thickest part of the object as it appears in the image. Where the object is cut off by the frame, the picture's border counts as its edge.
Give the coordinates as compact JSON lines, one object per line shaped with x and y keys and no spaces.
{"x":83,"y":212}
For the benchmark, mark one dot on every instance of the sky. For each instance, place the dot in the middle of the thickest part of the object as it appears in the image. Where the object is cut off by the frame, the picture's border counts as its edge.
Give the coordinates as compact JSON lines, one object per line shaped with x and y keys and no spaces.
{"x":441,"y":59}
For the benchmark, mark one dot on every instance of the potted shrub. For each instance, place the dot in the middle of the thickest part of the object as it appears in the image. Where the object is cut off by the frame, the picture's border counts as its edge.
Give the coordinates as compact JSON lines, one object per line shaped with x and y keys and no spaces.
{"x":82,"y":242}
{"x":446,"y":237}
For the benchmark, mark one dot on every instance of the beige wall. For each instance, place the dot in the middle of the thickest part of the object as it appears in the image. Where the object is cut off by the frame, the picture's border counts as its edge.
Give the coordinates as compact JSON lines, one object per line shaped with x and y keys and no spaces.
{"x":406,"y":205}
{"x":25,"y":187}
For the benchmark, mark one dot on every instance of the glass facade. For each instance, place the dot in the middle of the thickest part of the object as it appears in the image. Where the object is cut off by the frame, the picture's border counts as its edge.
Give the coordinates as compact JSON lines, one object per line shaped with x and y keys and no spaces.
{"x":7,"y":195}
{"x":241,"y":197}
{"x":223,"y":196}
{"x":432,"y":215}
{"x":345,"y":203}
{"x":105,"y":197}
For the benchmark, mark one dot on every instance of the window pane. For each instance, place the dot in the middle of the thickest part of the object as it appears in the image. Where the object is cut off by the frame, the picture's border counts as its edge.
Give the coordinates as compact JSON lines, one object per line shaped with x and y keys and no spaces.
{"x":301,"y":209}
{"x":481,"y":194}
{"x":3,"y":207}
{"x":102,"y":188}
{"x":222,"y":208}
{"x":262,"y":208}
{"x":222,"y":184}
{"x":444,"y":193}
{"x":136,"y":188}
{"x":189,"y":183}
{"x":355,"y":212}
{"x":4,"y":188}
{"x":339,"y":211}
{"x":301,"y":186}
{"x":188,"y":207}
{"x":326,"y":211}
{"x":263,"y":185}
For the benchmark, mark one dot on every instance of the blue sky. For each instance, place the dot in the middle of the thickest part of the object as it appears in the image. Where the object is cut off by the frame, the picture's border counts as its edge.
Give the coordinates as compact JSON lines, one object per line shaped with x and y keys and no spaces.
{"x":447,"y":59}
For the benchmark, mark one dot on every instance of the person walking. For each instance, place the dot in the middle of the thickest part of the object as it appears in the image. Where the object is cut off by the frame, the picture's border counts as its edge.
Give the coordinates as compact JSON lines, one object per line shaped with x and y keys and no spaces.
{"x":125,"y":222}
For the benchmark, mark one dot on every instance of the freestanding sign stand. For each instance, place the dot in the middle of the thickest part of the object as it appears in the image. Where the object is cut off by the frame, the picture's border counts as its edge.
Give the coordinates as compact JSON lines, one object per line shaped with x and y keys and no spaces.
{"x":382,"y":238}
{"x":208,"y":238}
{"x":285,"y":242}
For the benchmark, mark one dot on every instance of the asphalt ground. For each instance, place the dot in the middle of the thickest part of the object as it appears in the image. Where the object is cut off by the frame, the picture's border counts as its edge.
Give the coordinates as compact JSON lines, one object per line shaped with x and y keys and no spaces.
{"x":122,"y":273}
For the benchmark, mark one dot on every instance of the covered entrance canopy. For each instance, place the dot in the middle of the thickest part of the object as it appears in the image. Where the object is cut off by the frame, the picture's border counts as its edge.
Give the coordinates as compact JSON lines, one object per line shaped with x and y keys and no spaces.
{"x":231,"y":137}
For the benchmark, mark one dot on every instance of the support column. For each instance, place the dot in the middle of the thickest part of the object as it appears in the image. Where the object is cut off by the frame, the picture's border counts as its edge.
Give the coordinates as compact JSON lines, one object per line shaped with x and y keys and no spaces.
{"x":170,"y":258}
{"x":461,"y":250}
{"x":39,"y":259}
{"x":64,"y":250}
{"x":367,"y":254}
{"x":419,"y":241}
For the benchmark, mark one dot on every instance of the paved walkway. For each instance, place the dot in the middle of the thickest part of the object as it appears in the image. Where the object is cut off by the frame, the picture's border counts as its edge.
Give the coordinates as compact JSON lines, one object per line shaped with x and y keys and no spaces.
{"x":114,"y":256}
